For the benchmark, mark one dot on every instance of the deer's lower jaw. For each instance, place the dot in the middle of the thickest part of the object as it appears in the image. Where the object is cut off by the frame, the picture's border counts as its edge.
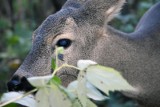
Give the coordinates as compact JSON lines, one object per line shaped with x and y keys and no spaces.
{"x":67,"y":78}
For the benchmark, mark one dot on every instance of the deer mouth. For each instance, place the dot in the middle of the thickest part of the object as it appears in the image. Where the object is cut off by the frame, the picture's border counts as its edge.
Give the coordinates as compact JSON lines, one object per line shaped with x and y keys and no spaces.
{"x":19,"y":84}
{"x":67,"y":76}
{"x":66,"y":79}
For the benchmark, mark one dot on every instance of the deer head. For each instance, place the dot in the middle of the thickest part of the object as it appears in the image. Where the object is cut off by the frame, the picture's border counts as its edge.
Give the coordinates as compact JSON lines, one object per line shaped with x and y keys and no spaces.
{"x":81,"y":27}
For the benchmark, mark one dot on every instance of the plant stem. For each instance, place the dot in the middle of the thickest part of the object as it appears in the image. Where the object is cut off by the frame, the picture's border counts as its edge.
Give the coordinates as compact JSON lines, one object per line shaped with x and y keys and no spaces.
{"x":17,"y":98}
{"x":56,"y":57}
{"x":64,"y":65}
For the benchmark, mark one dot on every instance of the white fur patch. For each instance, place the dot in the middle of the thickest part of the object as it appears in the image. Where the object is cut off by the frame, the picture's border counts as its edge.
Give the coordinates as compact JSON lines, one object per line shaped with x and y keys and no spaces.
{"x":110,"y":10}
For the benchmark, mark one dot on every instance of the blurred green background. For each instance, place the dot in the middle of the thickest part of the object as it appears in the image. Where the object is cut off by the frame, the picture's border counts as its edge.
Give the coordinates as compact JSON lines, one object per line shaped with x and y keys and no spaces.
{"x":19,"y":18}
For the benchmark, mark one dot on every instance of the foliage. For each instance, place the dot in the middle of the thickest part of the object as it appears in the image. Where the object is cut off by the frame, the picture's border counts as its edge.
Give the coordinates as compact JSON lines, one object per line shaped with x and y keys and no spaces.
{"x":131,"y":14}
{"x":51,"y":93}
{"x":19,"y":18}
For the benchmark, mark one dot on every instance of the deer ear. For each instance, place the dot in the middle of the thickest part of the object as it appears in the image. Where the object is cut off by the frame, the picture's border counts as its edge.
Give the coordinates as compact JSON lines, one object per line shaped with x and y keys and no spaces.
{"x":113,"y":10}
{"x":103,"y":10}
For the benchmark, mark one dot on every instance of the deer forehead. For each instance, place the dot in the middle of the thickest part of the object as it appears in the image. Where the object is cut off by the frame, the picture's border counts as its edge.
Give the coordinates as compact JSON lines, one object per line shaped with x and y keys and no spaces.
{"x":54,"y":24}
{"x":83,"y":34}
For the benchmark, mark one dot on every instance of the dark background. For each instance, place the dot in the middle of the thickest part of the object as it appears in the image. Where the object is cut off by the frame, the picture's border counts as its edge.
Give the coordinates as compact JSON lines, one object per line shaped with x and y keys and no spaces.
{"x":19,"y":18}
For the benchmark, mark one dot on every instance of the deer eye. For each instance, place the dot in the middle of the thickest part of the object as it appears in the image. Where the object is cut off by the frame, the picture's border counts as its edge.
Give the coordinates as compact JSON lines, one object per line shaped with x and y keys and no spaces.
{"x":65,"y":43}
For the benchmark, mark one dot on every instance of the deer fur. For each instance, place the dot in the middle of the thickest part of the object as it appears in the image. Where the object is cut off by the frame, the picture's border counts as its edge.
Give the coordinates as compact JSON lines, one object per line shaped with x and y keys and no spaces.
{"x":85,"y":22}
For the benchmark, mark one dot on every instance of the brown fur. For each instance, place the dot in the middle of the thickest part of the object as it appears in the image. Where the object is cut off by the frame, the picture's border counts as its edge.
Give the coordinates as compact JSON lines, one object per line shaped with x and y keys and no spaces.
{"x":135,"y":55}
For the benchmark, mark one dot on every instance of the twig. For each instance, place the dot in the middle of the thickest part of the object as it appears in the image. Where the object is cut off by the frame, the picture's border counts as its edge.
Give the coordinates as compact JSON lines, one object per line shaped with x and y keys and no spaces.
{"x":64,"y":65}
{"x":17,"y":98}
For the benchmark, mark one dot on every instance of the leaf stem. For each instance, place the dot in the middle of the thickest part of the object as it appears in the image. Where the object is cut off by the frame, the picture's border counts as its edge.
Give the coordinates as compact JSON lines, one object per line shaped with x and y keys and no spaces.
{"x":56,"y":57}
{"x":17,"y":98}
{"x":64,"y":65}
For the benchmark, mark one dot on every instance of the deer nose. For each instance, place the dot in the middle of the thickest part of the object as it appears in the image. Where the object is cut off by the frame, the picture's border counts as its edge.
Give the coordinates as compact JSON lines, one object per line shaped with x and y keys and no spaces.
{"x":14,"y":84}
{"x":19,"y":84}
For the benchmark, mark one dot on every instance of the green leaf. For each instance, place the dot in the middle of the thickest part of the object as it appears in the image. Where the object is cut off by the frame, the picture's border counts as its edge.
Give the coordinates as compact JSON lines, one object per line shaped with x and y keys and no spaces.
{"x":76,"y":103}
{"x":40,"y":81}
{"x":52,"y":97}
{"x":82,"y":93}
{"x":56,"y":79}
{"x":28,"y":101}
{"x":107,"y":79}
{"x":90,"y":103}
{"x":12,"y":105}
{"x":80,"y":89}
{"x":104,"y":78}
{"x":60,"y":50}
{"x":92,"y":91}
{"x":53,"y":64}
{"x":13,"y":40}
{"x":4,"y":23}
{"x":83,"y":64}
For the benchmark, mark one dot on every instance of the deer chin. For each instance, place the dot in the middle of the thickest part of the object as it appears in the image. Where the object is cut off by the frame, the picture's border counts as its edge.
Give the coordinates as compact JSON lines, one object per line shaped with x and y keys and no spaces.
{"x":67,"y":77}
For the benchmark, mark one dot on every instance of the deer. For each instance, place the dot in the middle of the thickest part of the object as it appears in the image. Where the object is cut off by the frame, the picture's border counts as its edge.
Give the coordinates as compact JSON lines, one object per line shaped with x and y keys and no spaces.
{"x":81,"y":28}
